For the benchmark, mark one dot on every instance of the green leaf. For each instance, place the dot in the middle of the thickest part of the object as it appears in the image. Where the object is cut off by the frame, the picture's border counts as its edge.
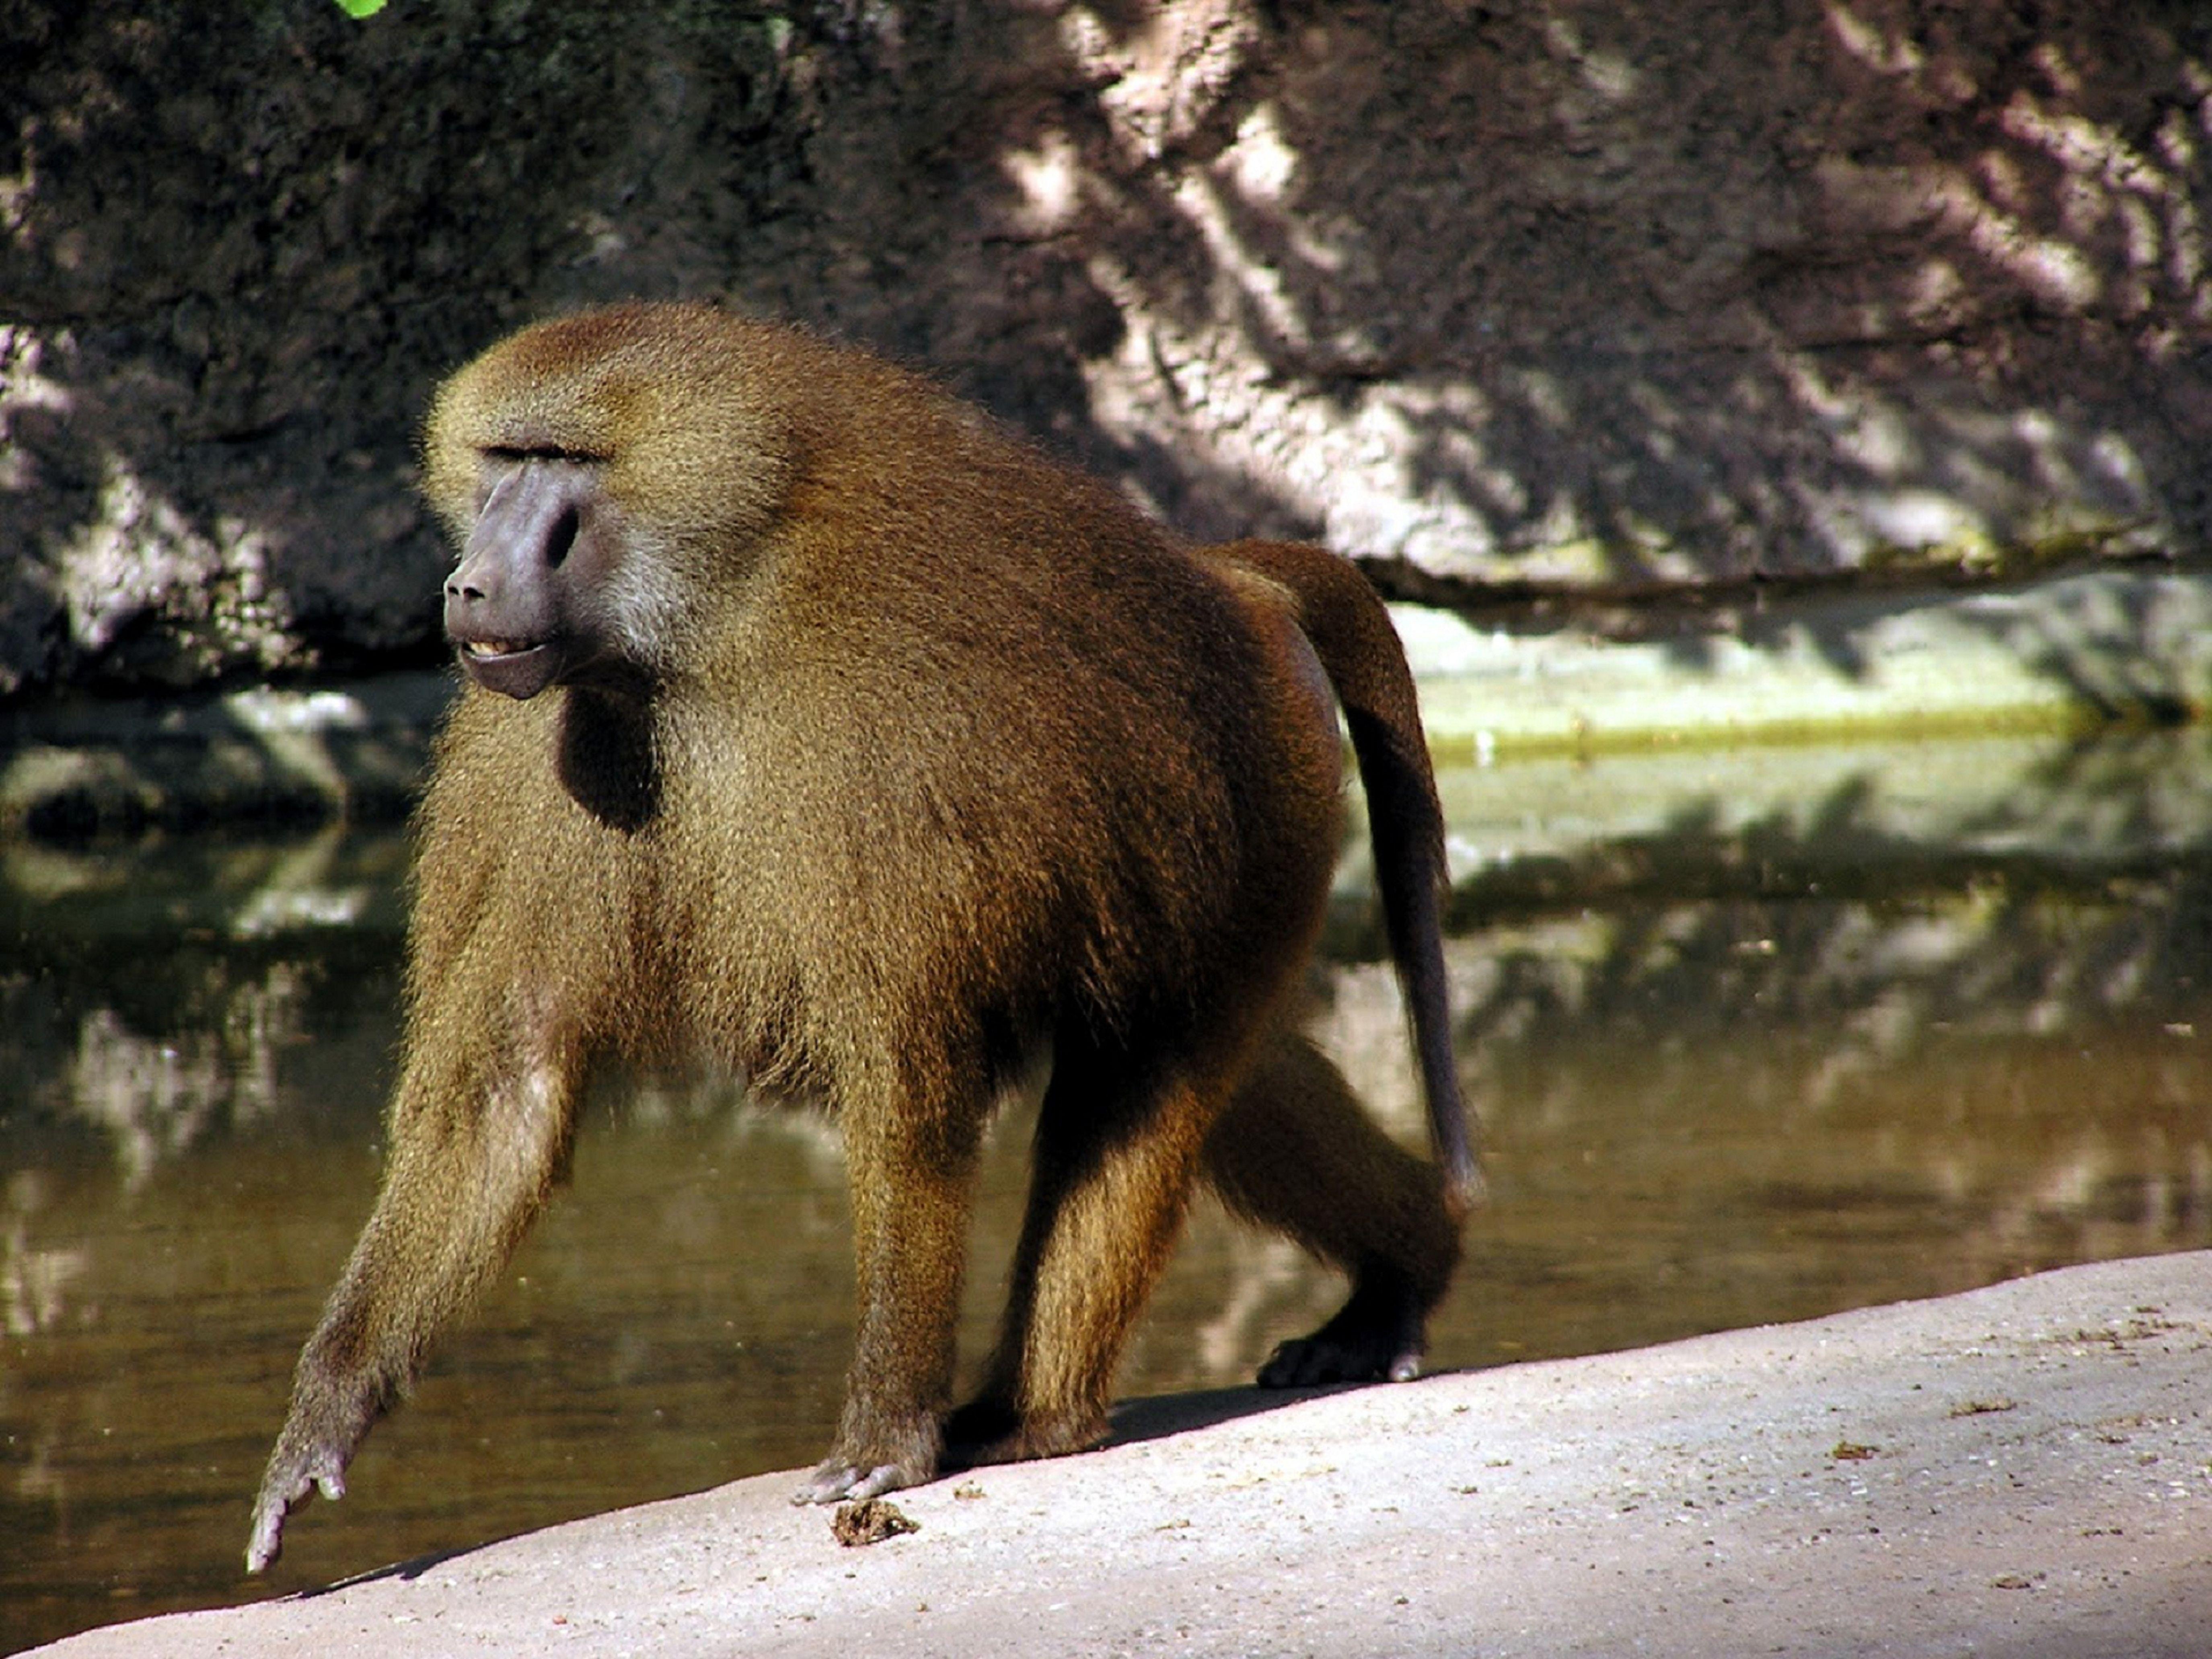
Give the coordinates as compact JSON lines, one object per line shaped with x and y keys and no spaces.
{"x":361,"y":7}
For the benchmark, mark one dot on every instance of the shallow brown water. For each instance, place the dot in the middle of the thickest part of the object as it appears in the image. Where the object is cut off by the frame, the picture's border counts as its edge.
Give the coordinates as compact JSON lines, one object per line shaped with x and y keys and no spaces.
{"x":1754,"y":1038}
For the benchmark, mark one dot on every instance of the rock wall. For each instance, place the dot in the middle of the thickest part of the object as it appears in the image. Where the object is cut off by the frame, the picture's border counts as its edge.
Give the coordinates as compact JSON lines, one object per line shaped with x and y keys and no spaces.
{"x":1600,"y":299}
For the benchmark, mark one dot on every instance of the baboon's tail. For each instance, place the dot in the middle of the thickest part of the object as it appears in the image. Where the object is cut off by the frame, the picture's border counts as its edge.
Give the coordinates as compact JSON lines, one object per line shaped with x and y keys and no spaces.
{"x":1344,"y":619}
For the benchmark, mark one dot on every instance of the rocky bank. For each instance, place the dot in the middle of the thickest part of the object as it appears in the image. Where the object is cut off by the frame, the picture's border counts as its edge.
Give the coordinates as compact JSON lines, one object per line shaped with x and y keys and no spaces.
{"x":1523,"y":302}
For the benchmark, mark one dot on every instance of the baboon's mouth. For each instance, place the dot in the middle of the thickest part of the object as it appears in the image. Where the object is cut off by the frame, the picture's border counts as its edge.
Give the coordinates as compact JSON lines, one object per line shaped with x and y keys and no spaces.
{"x":517,"y":668}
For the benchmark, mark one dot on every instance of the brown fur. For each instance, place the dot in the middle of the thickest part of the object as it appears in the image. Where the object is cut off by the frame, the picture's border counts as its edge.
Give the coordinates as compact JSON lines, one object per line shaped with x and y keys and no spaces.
{"x":879,"y":754}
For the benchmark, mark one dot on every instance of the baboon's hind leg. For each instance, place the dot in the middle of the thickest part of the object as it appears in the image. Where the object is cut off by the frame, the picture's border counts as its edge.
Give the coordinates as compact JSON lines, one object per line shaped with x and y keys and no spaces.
{"x":1116,"y":1159}
{"x":1294,"y":1151}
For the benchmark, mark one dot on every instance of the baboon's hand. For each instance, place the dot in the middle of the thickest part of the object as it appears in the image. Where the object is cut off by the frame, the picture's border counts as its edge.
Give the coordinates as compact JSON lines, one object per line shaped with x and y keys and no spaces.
{"x":293,"y":1467}
{"x":877,"y":1451}
{"x":839,"y":1482}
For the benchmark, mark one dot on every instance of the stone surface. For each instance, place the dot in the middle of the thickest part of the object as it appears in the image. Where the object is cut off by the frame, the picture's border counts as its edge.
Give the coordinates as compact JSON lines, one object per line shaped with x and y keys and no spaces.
{"x":2020,"y":1470}
{"x":1615,"y":299}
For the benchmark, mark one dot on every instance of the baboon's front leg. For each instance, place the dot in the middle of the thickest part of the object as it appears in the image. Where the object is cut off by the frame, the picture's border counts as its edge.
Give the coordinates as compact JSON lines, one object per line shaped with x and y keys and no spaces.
{"x":471,"y":1161}
{"x":912,"y":1175}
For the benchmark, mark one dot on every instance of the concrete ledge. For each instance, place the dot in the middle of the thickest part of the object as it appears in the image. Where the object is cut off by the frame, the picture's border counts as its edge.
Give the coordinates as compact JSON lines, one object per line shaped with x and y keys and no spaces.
{"x":2103,"y":645}
{"x":2023,"y":1470}
{"x":2106,"y":646}
{"x":84,"y":767}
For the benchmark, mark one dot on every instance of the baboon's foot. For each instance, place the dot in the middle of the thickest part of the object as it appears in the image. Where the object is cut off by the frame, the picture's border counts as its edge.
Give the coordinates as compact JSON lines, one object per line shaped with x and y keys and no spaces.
{"x":1379,"y":1335}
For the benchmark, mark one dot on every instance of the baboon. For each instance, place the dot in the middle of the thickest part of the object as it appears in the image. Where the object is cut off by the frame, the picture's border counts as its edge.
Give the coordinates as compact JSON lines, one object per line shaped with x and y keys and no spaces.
{"x":812,"y":726}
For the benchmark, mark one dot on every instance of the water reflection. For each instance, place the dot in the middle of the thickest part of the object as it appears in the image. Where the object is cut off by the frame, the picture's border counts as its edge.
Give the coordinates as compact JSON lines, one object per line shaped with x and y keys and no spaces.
{"x":1754,"y":1035}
